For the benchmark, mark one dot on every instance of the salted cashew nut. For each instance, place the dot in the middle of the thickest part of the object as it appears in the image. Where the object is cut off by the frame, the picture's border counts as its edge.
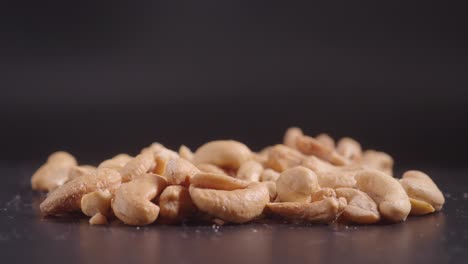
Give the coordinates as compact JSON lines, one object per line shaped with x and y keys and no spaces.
{"x":377,"y":160}
{"x":217,"y":181}
{"x":179,"y":171}
{"x":138,"y":166}
{"x":117,"y":162}
{"x":325,"y":140}
{"x":349,"y":149}
{"x":237,"y":206}
{"x":250,"y":171}
{"x":323,"y":211}
{"x":175,"y":204}
{"x":296,"y":185}
{"x":162,"y":156}
{"x":132,"y":201}
{"x":281,"y":158}
{"x":291,"y":135}
{"x":425,"y":196}
{"x":210,"y":168}
{"x":54,"y":172}
{"x":361,"y":209}
{"x":186,"y":153}
{"x":67,"y":198}
{"x":392,"y":200}
{"x":97,"y":202}
{"x":311,"y":146}
{"x":269,"y":175}
{"x":223,"y":153}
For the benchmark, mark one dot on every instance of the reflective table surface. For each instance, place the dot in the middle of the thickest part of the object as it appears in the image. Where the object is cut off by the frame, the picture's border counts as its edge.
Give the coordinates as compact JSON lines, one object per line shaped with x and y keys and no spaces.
{"x":26,"y":236}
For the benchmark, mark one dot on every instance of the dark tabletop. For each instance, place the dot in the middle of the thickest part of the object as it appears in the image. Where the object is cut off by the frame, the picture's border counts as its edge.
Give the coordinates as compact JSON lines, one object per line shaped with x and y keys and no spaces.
{"x":26,"y":236}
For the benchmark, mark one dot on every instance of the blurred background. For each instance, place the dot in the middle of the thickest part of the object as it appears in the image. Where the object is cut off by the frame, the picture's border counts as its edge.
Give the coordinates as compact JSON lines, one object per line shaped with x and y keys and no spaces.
{"x":97,"y":78}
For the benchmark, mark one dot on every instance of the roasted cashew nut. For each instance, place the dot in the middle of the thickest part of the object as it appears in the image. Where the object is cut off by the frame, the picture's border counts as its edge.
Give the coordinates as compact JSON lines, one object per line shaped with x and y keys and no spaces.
{"x":180,"y":171}
{"x":54,"y":173}
{"x":97,"y":203}
{"x":349,"y":149}
{"x":361,"y":209}
{"x":311,"y":146}
{"x":223,"y":153}
{"x":78,"y":171}
{"x":210,"y":168}
{"x":250,"y":171}
{"x":296,"y":185}
{"x":326,"y":140}
{"x":281,"y":158}
{"x":67,"y":198}
{"x":132,"y":201}
{"x":377,"y":160}
{"x":117,"y":162}
{"x":138,"y":166}
{"x":217,"y":181}
{"x":291,"y":135}
{"x":175,"y":204}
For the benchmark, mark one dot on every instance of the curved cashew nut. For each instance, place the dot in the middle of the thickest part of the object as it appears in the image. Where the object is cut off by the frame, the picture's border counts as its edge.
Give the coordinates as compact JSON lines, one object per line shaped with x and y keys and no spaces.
{"x":132,"y":201}
{"x":281,"y":158}
{"x":186,"y":153}
{"x":180,"y":171}
{"x":237,"y":206}
{"x":175,"y":204}
{"x":67,"y":198}
{"x":323,"y":211}
{"x":311,"y":146}
{"x":97,"y":203}
{"x":296,"y":185}
{"x":139,"y":166}
{"x":210,"y":168}
{"x":326,"y":140}
{"x":291,"y":135}
{"x":162,"y":155}
{"x":223,"y":153}
{"x":54,"y":172}
{"x":349,"y":149}
{"x":377,"y":160}
{"x":425,"y":196}
{"x":386,"y":191}
{"x":250,"y":171}
{"x":217,"y":181}
{"x":361,"y":209}
{"x":117,"y":162}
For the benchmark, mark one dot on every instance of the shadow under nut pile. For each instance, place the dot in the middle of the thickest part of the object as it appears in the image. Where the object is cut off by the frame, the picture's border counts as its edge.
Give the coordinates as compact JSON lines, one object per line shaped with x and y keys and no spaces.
{"x":304,"y":180}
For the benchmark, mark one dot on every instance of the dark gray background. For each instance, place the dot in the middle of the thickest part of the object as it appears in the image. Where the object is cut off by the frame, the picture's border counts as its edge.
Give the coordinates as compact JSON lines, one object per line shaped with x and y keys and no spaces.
{"x":101,"y":77}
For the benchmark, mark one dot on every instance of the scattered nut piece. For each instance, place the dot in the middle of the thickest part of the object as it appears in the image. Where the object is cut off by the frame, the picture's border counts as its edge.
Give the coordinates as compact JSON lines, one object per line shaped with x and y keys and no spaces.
{"x":422,"y":192}
{"x":323,"y":211}
{"x":361,"y":209}
{"x":54,"y":172}
{"x":386,"y":191}
{"x":223,"y":153}
{"x":175,"y":204}
{"x":67,"y":198}
{"x":250,"y":171}
{"x":349,"y":149}
{"x":237,"y":206}
{"x":180,"y":171}
{"x":132,"y":201}
{"x":296,"y":185}
{"x":269,"y":175}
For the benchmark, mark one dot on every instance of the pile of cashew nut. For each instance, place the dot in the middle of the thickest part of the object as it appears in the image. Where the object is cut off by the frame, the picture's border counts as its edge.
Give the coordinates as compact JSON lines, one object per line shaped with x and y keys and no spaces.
{"x":304,"y":180}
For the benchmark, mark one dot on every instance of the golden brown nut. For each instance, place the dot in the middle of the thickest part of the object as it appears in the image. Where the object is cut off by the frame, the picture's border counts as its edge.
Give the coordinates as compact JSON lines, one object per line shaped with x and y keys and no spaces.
{"x":323,"y":211}
{"x":176,"y":204}
{"x":180,"y":171}
{"x":54,"y":172}
{"x":281,"y":158}
{"x":296,"y":185}
{"x":349,"y":149}
{"x":223,"y":153}
{"x":423,"y":192}
{"x":361,"y":209}
{"x":67,"y":198}
{"x":250,"y":171}
{"x":132,"y":201}
{"x":237,"y":206}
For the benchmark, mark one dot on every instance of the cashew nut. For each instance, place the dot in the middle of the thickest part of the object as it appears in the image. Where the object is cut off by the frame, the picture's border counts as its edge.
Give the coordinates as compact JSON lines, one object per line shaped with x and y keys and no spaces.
{"x":117,"y":162}
{"x":361,"y":209}
{"x":323,"y":211}
{"x":186,"y":153}
{"x":179,"y":171}
{"x":271,"y":189}
{"x":175,"y":204}
{"x":250,"y":171}
{"x":269,"y":175}
{"x":97,"y":202}
{"x":223,"y":153}
{"x":132,"y":201}
{"x":139,"y":166}
{"x":237,"y":206}
{"x":322,"y":194}
{"x":54,"y":172}
{"x":217,"y":181}
{"x":296,"y":185}
{"x":386,"y":191}
{"x":98,"y":219}
{"x":210,"y":168}
{"x":281,"y":158}
{"x":377,"y":160}
{"x":78,"y":171}
{"x":291,"y":136}
{"x":162,"y":155}
{"x":67,"y":198}
{"x":425,"y":196}
{"x":326,"y":140}
{"x":349,"y":149}
{"x":311,"y":146}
